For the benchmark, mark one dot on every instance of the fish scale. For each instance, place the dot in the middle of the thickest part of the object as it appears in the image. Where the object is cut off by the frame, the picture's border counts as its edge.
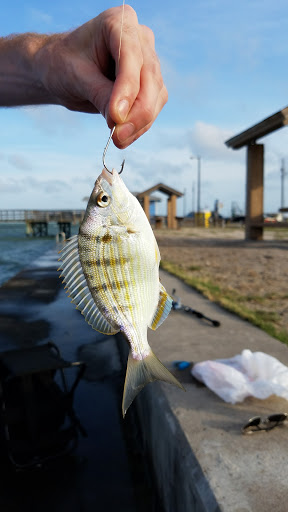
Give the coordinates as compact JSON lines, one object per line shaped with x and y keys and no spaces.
{"x":111,"y":271}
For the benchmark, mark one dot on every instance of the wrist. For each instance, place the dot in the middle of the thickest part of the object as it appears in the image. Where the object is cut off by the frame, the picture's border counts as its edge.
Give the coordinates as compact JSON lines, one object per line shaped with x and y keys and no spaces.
{"x":45,"y":56}
{"x":34,"y":64}
{"x":20,"y":76}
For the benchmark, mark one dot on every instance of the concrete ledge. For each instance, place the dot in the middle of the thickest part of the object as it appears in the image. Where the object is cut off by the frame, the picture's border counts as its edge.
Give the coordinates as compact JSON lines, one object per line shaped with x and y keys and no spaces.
{"x":181,"y":483}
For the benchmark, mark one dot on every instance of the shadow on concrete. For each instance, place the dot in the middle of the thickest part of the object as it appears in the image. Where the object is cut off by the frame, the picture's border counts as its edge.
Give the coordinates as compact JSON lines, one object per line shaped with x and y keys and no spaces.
{"x":106,"y":471}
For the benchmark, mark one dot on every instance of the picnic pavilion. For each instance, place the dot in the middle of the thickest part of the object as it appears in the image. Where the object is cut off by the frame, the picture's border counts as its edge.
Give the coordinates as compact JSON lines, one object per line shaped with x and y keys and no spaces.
{"x":144,"y":199}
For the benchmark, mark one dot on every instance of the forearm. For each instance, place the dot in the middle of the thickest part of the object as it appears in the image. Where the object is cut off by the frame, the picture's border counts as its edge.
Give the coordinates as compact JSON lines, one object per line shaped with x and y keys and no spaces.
{"x":19,"y":79}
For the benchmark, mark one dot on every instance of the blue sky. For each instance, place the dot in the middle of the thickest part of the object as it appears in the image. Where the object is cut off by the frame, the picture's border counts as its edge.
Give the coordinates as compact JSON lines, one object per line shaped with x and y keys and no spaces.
{"x":225,"y":65}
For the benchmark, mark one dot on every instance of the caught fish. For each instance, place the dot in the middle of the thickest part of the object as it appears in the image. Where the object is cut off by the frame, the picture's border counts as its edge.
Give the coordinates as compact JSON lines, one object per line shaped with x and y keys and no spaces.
{"x":111,"y":270}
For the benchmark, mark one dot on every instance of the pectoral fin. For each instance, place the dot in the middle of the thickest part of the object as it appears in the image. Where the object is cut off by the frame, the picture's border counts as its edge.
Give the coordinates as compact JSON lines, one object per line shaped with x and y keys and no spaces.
{"x":139,"y":373}
{"x":163,"y":308}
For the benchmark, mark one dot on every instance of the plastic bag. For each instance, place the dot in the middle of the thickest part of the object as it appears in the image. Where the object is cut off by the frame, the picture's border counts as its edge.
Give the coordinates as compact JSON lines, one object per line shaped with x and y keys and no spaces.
{"x":248,"y":374}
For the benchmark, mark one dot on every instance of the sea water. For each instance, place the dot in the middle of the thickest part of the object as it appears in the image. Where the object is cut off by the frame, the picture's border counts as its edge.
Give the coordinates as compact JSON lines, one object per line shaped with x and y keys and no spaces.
{"x":17,"y":251}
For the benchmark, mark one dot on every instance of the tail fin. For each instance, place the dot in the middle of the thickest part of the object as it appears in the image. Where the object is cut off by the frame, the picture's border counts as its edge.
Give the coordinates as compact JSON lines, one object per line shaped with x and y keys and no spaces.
{"x":139,"y":373}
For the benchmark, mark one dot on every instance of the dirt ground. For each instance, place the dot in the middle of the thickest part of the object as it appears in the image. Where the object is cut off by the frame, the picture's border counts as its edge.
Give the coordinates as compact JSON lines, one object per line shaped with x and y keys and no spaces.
{"x":255,"y":272}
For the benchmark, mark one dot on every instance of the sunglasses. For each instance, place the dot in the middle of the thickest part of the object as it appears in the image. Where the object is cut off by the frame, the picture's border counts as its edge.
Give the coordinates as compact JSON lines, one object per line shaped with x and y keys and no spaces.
{"x":256,"y":424}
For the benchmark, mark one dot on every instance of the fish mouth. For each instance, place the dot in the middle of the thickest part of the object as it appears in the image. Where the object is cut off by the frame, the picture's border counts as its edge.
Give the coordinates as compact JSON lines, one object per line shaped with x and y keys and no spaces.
{"x":108,"y":176}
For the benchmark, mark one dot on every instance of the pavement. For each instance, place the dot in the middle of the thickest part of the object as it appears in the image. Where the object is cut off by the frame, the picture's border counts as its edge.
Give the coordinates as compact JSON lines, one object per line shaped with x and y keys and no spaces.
{"x":244,"y":473}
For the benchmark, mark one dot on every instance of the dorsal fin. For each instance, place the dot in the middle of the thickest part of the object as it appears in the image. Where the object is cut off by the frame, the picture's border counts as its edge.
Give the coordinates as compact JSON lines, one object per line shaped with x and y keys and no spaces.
{"x":78,"y":289}
{"x":163,"y":308}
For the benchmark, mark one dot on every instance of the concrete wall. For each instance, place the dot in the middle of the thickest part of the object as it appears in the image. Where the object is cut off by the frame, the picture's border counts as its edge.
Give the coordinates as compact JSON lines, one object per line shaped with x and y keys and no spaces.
{"x":181,"y":483}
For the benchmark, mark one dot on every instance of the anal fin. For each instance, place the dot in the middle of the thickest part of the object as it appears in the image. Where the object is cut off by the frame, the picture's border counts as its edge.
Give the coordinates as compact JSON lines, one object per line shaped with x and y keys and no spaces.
{"x":163,"y":308}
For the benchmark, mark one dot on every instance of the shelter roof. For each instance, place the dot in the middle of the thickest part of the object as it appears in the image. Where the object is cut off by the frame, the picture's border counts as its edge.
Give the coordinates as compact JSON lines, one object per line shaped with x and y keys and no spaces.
{"x":268,"y":125}
{"x":153,"y":199}
{"x":162,"y":188}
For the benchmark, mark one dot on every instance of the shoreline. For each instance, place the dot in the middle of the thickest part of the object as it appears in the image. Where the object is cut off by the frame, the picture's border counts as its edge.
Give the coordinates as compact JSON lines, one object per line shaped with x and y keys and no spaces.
{"x":10,"y":274}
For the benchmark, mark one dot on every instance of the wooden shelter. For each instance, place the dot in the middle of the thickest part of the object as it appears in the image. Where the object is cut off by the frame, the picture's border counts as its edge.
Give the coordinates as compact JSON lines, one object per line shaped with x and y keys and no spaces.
{"x":255,"y":169}
{"x":171,"y":202}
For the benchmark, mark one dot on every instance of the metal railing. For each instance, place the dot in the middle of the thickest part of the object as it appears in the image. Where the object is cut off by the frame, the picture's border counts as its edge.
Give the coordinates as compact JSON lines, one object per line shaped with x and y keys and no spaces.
{"x":73,"y":216}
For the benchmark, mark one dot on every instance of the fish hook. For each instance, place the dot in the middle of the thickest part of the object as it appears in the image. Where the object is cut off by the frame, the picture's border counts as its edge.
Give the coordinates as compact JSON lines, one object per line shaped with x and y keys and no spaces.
{"x":105,"y":151}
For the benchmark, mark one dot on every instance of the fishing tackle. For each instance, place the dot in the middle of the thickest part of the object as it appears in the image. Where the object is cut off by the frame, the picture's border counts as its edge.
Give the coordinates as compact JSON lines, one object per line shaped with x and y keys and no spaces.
{"x":176,"y":305}
{"x":105,"y":151}
{"x":113,"y":129}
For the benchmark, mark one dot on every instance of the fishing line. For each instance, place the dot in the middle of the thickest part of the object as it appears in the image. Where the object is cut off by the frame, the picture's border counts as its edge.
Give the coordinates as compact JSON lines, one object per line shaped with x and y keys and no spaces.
{"x":121,"y":31}
{"x":113,"y":129}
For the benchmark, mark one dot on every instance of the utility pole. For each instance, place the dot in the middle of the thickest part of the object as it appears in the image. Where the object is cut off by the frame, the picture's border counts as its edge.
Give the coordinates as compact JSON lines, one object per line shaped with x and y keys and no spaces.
{"x":283,"y":173}
{"x":184,"y":203}
{"x":193,"y":198}
{"x":199,"y":185}
{"x":198,"y":182}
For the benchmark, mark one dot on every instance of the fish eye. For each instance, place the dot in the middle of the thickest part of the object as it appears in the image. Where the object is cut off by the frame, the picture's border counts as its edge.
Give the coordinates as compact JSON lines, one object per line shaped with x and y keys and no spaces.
{"x":103,"y":199}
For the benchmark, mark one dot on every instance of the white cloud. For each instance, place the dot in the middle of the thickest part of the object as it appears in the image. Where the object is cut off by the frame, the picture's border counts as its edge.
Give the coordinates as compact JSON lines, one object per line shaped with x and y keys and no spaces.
{"x":24,"y":185}
{"x":209,"y":140}
{"x":54,"y":120}
{"x":40,"y":16}
{"x":52,"y":186}
{"x":19,"y":161}
{"x":34,"y":193}
{"x":9,"y":186}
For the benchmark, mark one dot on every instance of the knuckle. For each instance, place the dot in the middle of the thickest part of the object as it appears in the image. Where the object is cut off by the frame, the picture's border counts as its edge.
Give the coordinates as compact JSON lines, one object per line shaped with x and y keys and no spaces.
{"x":130,"y":26}
{"x":129,"y":11}
{"x":155,"y":64}
{"x":147,"y":114}
{"x":148,"y":35}
{"x":164,"y":95}
{"x":158,"y":79}
{"x":130,"y":31}
{"x":133,"y":88}
{"x":154,"y":68}
{"x":116,"y":12}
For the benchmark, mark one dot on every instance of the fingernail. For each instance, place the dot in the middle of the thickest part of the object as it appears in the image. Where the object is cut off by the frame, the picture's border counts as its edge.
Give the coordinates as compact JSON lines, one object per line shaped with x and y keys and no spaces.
{"x":123,"y":109}
{"x":125,"y":131}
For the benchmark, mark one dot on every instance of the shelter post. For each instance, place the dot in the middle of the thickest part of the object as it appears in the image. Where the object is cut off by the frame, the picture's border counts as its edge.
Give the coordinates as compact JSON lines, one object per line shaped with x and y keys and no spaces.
{"x":146,"y":206}
{"x":254,"y":192}
{"x":171,"y":212}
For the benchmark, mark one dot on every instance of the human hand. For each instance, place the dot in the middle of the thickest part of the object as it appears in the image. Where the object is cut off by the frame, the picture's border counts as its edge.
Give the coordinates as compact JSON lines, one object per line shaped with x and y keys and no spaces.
{"x":80,"y":70}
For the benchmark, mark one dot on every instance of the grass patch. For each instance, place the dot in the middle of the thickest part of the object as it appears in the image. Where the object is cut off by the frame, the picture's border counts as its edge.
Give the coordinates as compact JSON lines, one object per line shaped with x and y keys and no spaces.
{"x":255,"y":299}
{"x":267,"y":316}
{"x":231,"y":300}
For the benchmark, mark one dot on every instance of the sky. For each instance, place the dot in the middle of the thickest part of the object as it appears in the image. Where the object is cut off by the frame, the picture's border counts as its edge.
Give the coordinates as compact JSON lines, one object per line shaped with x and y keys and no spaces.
{"x":225,"y":67}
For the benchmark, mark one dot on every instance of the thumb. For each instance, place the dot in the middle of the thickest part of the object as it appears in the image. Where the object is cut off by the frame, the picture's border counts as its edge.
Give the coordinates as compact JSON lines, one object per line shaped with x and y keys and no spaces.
{"x":100,"y":89}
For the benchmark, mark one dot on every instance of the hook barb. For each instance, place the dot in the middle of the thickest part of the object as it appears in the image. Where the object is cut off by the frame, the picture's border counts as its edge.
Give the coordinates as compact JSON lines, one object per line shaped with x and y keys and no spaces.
{"x":105,"y":151}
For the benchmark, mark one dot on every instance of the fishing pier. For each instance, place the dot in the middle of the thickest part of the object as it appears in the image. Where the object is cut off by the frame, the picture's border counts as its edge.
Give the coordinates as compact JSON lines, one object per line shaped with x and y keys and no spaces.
{"x":37,"y":221}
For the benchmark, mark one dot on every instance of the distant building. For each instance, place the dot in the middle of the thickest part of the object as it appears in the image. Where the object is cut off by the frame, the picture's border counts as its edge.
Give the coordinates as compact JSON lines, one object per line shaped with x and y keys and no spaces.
{"x":145,"y":199}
